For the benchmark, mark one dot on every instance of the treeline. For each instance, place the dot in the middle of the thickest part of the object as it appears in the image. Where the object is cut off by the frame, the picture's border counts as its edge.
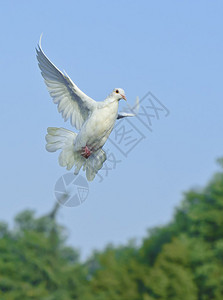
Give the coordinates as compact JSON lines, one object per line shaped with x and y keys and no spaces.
{"x":180,"y":261}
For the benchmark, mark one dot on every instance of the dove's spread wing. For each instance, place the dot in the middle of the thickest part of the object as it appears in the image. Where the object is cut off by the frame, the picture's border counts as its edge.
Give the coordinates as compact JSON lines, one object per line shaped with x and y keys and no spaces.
{"x":71,"y":101}
{"x":124,"y":115}
{"x":130,"y":111}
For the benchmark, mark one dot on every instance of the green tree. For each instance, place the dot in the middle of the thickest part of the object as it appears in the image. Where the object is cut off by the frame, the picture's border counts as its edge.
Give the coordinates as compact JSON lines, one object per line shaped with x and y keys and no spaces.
{"x":35,"y":263}
{"x":182,"y":260}
{"x":171,"y":276}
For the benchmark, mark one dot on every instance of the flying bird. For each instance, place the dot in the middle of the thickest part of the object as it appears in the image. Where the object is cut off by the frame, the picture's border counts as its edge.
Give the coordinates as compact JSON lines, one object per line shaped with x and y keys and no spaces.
{"x":94,"y":120}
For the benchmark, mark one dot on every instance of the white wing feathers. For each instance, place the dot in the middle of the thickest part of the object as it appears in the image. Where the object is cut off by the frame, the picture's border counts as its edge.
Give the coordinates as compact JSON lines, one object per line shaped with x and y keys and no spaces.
{"x":72,"y":102}
{"x":130,"y":111}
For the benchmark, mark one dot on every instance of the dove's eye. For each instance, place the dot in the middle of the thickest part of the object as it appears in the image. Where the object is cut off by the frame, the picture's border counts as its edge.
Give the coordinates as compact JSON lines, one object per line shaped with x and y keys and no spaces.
{"x":117,"y":91}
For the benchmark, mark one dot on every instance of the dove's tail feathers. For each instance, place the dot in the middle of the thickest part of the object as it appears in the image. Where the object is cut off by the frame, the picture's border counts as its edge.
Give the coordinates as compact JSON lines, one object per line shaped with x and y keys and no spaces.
{"x":94,"y":163}
{"x":91,"y":165}
{"x":61,"y":138}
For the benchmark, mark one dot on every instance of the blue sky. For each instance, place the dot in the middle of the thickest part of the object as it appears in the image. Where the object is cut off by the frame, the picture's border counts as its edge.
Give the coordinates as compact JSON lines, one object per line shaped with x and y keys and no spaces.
{"x":171,"y":48}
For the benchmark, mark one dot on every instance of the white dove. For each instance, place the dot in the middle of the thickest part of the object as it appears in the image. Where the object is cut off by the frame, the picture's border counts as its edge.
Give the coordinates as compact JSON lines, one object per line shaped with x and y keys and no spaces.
{"x":94,"y":120}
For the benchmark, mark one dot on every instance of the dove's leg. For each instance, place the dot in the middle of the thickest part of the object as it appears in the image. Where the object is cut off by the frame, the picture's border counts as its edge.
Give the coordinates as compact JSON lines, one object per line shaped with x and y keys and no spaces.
{"x":86,"y":152}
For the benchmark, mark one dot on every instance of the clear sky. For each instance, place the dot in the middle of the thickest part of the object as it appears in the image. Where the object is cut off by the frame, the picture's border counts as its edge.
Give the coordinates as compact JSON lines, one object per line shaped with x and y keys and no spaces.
{"x":171,"y":48}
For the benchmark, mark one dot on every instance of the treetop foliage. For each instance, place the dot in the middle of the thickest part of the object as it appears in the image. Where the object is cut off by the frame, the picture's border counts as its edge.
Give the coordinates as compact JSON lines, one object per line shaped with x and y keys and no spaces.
{"x":182,"y":260}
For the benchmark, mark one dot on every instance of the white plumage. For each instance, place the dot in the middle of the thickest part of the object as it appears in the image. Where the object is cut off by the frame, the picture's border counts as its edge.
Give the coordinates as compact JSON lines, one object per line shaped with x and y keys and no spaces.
{"x":94,"y":120}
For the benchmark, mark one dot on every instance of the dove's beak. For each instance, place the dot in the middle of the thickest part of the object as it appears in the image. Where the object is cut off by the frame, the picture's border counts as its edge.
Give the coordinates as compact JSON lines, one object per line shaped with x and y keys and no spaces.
{"x":123,"y":97}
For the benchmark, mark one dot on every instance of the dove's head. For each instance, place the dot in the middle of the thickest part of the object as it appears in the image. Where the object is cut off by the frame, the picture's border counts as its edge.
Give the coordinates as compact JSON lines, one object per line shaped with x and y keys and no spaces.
{"x":119,"y":94}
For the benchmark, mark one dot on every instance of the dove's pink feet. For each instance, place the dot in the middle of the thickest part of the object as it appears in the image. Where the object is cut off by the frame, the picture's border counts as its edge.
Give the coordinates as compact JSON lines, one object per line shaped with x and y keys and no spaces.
{"x":86,"y":152}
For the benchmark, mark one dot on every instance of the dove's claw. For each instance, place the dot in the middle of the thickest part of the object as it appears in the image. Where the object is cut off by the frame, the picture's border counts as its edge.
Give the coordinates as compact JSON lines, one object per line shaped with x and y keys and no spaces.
{"x":86,"y":152}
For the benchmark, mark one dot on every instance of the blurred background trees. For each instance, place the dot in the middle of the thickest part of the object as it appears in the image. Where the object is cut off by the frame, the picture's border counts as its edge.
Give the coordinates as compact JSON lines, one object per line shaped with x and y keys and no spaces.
{"x":182,"y":260}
